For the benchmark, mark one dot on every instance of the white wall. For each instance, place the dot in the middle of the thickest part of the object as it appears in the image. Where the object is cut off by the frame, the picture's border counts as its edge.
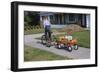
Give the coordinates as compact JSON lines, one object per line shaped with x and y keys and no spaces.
{"x":5,"y":17}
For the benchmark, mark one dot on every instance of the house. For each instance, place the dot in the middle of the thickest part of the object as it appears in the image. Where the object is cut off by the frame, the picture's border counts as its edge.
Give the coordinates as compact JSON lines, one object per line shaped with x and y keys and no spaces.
{"x":64,"y":19}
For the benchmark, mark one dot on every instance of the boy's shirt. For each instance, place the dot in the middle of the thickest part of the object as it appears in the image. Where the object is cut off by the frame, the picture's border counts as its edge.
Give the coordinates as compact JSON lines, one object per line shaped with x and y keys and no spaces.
{"x":46,"y":23}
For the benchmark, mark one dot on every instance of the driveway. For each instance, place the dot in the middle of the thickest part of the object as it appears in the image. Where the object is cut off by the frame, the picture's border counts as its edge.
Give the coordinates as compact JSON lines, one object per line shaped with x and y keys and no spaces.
{"x":81,"y":53}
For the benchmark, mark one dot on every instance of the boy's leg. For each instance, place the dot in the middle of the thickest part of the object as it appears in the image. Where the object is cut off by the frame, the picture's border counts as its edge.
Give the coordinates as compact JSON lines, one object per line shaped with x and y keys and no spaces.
{"x":46,"y":33}
{"x":49,"y":33}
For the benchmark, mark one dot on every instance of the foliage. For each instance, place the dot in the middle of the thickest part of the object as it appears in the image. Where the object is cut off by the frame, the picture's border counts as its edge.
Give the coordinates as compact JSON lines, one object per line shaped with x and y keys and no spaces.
{"x":31,"y":19}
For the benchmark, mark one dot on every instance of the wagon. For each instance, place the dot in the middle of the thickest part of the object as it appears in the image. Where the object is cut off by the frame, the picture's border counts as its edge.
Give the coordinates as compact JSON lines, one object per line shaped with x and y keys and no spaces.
{"x":62,"y":42}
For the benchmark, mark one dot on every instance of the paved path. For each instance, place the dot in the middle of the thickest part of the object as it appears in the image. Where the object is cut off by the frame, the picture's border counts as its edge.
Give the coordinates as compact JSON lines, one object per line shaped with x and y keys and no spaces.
{"x":81,"y":53}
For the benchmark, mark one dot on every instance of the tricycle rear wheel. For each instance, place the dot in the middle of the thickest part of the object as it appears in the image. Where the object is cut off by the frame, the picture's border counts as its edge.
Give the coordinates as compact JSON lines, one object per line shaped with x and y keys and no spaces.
{"x":43,"y":40}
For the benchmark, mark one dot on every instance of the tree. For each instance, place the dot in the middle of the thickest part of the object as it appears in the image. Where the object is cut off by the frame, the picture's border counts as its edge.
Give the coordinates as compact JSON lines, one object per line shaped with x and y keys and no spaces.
{"x":31,"y":18}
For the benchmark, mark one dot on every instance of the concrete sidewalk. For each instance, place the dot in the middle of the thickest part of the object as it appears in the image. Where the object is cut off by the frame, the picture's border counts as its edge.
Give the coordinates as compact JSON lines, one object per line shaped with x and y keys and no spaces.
{"x":81,"y":53}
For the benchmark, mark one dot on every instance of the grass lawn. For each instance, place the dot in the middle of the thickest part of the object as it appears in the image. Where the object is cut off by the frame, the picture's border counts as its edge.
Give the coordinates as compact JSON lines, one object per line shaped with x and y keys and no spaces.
{"x":83,"y":38}
{"x":34,"y":54}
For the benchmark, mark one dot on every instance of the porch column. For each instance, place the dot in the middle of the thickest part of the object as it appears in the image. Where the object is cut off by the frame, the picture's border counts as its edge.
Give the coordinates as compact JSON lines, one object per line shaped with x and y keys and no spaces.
{"x":87,"y":20}
{"x":83,"y":20}
{"x":58,"y":19}
{"x":41,"y":20}
{"x":76,"y":18}
{"x":62,"y":18}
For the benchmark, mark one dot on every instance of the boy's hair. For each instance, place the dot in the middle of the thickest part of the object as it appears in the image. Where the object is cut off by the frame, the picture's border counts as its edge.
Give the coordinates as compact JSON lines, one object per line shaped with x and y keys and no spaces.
{"x":44,"y":17}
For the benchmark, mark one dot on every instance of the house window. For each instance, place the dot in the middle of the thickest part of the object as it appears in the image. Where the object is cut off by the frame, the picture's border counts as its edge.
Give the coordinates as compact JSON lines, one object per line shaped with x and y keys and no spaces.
{"x":71,"y":17}
{"x":51,"y":19}
{"x":56,"y":19}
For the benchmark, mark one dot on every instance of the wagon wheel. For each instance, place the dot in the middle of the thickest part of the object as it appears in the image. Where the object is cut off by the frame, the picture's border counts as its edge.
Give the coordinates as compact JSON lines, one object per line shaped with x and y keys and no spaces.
{"x":69,"y":48}
{"x":76,"y":47}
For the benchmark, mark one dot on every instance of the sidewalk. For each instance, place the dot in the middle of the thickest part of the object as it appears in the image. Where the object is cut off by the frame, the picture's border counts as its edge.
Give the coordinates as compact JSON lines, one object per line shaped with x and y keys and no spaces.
{"x":81,"y":53}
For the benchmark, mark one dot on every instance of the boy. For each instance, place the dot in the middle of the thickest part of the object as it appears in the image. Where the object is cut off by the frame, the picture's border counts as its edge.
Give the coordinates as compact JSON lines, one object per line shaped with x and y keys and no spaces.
{"x":47,"y":27}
